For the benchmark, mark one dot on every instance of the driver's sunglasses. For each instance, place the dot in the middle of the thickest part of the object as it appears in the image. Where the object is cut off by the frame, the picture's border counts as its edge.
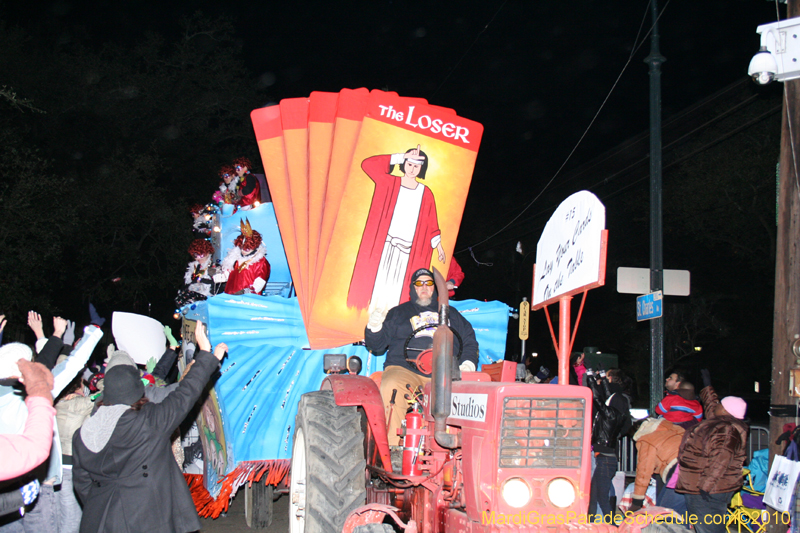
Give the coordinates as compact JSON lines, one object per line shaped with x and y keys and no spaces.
{"x":419,"y":283}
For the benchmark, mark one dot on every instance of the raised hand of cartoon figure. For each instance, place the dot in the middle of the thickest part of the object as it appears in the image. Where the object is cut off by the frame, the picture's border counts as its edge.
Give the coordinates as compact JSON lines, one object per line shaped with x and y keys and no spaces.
{"x":414,"y":154}
{"x":442,"y":255}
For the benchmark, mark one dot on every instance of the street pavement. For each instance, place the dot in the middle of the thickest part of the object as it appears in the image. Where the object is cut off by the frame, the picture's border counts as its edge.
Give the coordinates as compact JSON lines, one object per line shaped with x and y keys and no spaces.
{"x":234,"y":520}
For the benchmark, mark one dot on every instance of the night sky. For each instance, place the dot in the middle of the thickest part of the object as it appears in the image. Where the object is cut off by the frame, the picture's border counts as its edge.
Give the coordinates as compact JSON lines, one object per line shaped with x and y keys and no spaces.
{"x":533,"y":73}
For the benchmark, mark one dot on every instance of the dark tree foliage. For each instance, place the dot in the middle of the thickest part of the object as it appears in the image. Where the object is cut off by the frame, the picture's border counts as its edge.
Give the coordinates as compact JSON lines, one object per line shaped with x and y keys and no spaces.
{"x":102,"y":152}
{"x":34,"y":230}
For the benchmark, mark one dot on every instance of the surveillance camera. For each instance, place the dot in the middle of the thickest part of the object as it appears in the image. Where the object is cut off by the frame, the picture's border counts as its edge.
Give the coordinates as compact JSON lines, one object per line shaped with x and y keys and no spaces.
{"x":762,"y":67}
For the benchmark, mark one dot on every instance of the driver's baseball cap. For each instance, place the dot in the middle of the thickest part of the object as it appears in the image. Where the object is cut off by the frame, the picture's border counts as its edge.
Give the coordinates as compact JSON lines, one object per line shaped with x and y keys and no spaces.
{"x":421,"y":272}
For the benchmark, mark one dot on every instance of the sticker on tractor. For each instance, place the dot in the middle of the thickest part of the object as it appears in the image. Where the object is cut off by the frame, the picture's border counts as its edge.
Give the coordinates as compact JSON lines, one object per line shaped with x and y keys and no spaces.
{"x":469,"y":406}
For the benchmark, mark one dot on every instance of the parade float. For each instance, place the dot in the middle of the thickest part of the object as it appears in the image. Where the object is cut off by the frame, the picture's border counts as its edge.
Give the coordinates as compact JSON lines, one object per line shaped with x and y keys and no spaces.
{"x":332,"y":209}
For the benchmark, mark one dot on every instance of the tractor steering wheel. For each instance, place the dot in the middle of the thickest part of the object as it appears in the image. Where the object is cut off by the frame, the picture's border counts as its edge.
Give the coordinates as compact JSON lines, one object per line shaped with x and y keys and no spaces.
{"x":422,"y":351}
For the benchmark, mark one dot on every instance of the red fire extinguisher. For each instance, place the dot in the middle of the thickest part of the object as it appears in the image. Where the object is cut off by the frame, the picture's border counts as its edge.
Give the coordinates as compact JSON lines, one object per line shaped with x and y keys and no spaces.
{"x":411,"y":445}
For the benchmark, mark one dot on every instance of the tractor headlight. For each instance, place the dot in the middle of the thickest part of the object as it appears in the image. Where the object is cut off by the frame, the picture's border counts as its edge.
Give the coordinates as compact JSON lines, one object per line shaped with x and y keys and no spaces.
{"x":561,"y":492}
{"x":516,"y":492}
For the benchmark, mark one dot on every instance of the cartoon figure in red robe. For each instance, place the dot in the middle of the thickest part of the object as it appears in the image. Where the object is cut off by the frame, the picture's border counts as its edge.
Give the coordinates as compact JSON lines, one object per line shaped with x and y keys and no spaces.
{"x":401,"y":232}
{"x":246,"y":263}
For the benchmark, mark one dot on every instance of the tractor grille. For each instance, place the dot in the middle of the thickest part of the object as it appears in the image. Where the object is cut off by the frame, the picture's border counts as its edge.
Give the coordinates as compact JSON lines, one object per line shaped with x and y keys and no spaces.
{"x":541,"y":432}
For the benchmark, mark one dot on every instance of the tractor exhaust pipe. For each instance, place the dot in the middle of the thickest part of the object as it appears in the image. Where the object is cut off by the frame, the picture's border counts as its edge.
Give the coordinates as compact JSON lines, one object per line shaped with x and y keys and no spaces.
{"x":442,"y":383}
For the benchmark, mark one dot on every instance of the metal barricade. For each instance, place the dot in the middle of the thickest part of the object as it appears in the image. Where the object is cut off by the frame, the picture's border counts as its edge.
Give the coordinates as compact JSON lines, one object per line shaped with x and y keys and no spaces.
{"x":627,"y":456}
{"x":757,"y":440}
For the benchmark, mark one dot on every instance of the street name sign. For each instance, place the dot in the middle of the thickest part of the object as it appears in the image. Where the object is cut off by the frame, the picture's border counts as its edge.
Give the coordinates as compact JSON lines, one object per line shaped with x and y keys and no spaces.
{"x":524,"y":319}
{"x":649,"y":306}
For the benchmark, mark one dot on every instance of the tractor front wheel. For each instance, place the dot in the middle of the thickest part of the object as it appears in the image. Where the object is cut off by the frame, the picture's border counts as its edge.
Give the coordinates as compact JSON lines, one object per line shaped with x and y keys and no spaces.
{"x":327,"y":479}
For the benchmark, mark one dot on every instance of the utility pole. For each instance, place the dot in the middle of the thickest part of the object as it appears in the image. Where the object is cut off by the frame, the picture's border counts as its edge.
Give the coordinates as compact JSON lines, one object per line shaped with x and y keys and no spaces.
{"x":786,"y":318}
{"x":654,"y":59}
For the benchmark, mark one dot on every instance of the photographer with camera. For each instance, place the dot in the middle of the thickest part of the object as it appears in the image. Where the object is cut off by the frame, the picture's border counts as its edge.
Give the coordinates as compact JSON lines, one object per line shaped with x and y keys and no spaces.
{"x":612,"y":420}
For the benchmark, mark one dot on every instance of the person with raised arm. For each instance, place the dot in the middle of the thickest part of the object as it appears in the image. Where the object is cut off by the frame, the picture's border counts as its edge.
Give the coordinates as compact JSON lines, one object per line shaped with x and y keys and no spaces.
{"x":124,"y":471}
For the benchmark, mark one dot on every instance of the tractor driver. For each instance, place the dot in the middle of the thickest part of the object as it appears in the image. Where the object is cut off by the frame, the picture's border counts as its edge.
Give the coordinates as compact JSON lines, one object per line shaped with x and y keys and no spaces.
{"x":391,"y":333}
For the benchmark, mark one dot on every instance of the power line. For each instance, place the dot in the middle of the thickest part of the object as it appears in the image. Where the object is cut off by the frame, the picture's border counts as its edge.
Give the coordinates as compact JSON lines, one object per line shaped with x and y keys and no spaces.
{"x":468,"y":49}
{"x":586,"y":131}
{"x":640,"y":179}
{"x":679,"y":118}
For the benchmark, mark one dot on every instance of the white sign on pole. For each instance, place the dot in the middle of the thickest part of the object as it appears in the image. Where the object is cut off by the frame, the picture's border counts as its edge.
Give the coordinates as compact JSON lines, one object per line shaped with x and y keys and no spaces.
{"x":570,"y":252}
{"x":637,"y":281}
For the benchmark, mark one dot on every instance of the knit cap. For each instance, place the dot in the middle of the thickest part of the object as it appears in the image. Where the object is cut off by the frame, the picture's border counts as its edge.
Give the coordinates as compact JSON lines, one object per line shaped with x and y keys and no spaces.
{"x":9,"y":355}
{"x":735,"y":406}
{"x":118,"y":357}
{"x":122,"y":386}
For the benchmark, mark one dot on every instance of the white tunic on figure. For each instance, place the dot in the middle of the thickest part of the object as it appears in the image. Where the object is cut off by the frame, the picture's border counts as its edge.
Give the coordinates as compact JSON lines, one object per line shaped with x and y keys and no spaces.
{"x":397,"y":248}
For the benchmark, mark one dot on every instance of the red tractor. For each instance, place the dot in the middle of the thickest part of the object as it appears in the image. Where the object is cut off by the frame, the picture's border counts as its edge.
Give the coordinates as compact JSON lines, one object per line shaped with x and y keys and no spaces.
{"x":482,"y":453}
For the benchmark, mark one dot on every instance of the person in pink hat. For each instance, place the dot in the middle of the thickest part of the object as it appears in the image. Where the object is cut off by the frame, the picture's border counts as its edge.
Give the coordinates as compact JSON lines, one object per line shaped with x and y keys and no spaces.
{"x":711,"y":456}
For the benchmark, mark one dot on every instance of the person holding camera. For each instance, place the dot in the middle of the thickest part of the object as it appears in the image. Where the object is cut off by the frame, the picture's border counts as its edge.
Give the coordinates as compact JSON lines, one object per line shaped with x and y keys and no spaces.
{"x":612,"y":420}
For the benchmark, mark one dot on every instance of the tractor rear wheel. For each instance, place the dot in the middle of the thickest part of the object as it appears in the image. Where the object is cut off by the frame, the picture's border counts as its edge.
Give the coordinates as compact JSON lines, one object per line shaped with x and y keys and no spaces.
{"x":327,"y":479}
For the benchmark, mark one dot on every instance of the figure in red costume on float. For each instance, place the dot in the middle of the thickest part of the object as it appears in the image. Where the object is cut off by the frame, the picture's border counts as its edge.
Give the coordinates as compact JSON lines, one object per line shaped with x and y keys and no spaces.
{"x":246,"y":263}
{"x":249,"y":192}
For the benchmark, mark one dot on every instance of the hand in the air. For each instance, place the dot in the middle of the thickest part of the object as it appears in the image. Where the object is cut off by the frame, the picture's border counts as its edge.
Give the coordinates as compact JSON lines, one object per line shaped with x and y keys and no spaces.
{"x":35,"y":323}
{"x":706,"y":375}
{"x":37,"y":379}
{"x":220,"y":351}
{"x":59,"y":326}
{"x":202,"y":339}
{"x":376,"y":318}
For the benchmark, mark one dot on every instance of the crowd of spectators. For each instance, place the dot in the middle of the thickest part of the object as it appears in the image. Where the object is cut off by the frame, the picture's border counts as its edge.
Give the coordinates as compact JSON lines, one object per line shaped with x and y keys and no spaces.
{"x":87,"y":446}
{"x":693,"y":446}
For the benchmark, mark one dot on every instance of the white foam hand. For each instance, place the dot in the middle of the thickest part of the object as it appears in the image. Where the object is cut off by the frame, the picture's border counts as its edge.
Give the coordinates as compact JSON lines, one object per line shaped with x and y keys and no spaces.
{"x":376,"y":318}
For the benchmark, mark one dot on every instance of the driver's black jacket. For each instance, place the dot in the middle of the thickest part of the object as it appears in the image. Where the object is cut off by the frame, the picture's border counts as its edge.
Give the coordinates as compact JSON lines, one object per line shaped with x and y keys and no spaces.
{"x":405,"y":318}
